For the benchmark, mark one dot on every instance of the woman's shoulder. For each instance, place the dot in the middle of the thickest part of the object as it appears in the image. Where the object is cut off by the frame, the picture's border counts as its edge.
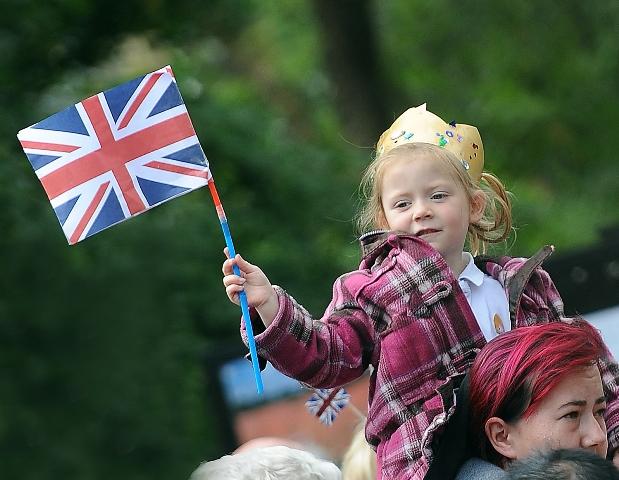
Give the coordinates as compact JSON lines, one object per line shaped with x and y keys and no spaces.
{"x":478,"y":469}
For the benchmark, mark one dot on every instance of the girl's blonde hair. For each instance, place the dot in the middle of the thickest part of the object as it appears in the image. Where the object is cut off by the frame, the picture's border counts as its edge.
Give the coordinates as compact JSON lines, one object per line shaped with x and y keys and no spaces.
{"x":495,"y":224}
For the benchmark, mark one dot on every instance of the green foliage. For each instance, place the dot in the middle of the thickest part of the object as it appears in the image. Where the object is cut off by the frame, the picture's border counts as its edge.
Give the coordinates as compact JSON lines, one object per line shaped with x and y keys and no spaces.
{"x":101,"y":343}
{"x":541,"y":82}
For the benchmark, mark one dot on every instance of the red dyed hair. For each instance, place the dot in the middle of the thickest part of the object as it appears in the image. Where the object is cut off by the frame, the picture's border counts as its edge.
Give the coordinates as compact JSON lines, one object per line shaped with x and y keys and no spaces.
{"x":515,"y":371}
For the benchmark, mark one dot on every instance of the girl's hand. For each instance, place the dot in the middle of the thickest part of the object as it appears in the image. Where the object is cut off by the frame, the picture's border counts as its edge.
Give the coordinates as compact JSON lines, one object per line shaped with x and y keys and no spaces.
{"x":260,"y":294}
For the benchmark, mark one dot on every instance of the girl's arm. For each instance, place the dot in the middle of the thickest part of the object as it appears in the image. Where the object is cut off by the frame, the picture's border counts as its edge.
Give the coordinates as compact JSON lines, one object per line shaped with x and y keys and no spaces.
{"x":327,"y":352}
{"x":322,"y":353}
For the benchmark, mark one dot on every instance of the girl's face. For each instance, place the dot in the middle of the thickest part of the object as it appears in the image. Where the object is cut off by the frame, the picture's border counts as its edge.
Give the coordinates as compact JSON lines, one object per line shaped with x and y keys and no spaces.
{"x":420,"y":197}
{"x":571,"y":416}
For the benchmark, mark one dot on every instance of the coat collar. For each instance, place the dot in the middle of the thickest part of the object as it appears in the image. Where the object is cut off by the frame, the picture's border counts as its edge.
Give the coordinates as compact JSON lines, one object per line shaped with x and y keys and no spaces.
{"x":372,"y":243}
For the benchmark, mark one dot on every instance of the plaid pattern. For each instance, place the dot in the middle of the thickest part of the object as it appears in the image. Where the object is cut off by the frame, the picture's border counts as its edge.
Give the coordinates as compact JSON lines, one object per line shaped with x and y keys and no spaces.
{"x":404,"y":313}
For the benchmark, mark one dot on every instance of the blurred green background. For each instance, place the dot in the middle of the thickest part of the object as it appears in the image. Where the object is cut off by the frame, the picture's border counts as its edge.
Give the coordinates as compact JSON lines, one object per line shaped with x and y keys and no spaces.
{"x":101,"y":343}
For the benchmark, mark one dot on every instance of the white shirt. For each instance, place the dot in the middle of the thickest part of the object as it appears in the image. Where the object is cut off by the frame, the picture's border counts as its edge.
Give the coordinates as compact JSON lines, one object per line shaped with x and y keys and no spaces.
{"x":486,"y":298}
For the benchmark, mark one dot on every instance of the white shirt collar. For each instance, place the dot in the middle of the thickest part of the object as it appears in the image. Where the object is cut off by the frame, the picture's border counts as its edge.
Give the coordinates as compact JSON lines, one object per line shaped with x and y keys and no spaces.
{"x":471,"y":273}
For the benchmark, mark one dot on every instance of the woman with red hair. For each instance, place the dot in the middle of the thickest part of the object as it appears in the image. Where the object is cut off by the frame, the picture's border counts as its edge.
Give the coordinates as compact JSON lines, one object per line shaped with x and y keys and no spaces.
{"x":536,"y":388}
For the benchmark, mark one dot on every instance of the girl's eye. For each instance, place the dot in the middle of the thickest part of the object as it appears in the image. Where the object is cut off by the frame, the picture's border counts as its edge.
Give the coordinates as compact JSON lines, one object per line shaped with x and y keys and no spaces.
{"x":402,"y":204}
{"x":438,"y":196}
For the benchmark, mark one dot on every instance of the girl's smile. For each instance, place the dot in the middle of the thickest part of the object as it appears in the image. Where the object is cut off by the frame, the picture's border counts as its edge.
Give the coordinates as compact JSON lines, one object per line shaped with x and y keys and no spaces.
{"x":426,"y":232}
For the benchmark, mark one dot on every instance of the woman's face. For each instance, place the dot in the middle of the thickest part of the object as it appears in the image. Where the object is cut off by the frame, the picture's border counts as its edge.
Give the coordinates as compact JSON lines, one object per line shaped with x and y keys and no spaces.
{"x":571,"y":416}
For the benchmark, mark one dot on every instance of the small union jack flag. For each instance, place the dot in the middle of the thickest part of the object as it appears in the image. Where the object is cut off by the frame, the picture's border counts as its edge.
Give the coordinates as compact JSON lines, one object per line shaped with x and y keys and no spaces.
{"x":116,"y":154}
{"x":327,"y":403}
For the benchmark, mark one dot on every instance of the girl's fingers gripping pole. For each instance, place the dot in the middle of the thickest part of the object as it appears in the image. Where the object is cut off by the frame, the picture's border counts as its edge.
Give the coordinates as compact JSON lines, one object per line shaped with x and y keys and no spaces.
{"x":242,"y":297}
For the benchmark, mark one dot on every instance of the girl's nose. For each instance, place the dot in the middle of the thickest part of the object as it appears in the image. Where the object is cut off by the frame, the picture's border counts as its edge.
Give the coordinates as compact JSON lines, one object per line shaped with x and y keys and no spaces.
{"x":422,"y":210}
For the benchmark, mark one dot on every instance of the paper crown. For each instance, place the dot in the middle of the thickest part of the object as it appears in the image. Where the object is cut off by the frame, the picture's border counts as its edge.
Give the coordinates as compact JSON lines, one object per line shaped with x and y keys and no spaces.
{"x":418,"y":125}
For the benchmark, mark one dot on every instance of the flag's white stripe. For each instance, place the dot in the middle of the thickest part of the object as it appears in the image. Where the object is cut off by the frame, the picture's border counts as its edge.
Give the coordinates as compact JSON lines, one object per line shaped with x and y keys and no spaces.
{"x":172,"y":178}
{"x":48,"y":152}
{"x":55,"y":137}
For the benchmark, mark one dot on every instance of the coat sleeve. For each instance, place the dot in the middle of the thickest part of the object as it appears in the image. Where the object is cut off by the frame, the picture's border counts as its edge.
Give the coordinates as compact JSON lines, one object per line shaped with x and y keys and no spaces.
{"x":322,"y":353}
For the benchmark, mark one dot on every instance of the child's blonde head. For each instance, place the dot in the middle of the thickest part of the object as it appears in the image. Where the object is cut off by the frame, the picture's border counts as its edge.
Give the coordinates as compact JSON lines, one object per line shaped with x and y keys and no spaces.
{"x":359,"y":462}
{"x":496,"y":222}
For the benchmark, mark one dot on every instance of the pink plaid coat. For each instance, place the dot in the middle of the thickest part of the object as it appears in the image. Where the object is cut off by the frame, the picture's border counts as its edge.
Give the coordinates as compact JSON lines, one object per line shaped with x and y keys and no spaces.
{"x":404,"y":313}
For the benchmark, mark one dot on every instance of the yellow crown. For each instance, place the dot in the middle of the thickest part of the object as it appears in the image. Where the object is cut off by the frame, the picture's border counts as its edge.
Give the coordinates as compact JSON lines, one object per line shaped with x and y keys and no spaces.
{"x":418,"y":125}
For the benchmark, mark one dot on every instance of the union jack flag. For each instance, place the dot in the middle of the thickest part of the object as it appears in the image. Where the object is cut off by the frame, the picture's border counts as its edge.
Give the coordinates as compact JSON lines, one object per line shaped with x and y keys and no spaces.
{"x":116,"y":154}
{"x":327,"y":403}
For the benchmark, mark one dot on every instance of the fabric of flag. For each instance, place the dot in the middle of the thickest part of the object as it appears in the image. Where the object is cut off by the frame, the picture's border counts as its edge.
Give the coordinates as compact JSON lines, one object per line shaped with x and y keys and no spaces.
{"x":116,"y":154}
{"x":327,"y":403}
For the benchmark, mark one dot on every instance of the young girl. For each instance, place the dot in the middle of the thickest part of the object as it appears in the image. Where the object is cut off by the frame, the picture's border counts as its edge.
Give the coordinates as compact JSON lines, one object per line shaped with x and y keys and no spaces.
{"x":419,"y":307}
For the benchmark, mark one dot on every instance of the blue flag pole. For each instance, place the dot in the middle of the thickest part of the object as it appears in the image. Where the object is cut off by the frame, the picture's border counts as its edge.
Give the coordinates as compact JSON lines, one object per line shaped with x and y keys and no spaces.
{"x":242,"y":297}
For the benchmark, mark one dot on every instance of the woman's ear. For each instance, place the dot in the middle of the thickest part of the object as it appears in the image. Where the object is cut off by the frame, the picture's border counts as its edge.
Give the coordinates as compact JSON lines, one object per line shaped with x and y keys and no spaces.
{"x":501,"y":437}
{"x":478,"y":205}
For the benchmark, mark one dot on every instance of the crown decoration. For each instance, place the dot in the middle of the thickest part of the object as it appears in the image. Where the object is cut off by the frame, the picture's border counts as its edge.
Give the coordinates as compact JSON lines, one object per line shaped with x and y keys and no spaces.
{"x":418,"y":125}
